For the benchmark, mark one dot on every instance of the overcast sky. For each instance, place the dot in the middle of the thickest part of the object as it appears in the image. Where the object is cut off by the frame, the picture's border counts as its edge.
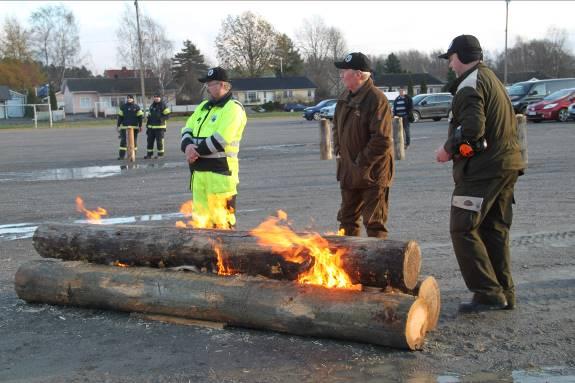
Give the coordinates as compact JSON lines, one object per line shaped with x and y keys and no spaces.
{"x":373,"y":27}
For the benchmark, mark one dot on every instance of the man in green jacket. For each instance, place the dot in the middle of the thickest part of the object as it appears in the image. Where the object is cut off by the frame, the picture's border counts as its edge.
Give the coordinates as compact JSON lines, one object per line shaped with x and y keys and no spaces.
{"x":482,"y":143}
{"x":363,"y":146}
{"x":211,"y":142}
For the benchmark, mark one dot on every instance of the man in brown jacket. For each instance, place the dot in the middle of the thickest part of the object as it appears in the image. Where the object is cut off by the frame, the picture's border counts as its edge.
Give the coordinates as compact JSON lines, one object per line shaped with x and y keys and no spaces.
{"x":482,"y":143}
{"x":363,"y":147}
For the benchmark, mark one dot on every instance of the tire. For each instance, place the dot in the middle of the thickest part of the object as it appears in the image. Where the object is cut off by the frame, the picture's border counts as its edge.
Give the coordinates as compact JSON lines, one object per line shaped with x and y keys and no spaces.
{"x":291,"y":111}
{"x":563,"y":115}
{"x":416,"y":116}
{"x":436,"y":119}
{"x":536,"y":121}
{"x":316,"y":116}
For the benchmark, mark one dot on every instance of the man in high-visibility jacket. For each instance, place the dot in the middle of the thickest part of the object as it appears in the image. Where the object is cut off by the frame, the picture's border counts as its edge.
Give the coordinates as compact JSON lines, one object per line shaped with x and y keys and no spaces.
{"x":156,"y":126}
{"x":211,"y":142}
{"x":129,"y":116}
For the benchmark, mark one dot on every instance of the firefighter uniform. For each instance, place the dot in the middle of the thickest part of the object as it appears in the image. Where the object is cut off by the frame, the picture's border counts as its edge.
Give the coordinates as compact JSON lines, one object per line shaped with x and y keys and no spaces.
{"x":156,"y":128}
{"x":129,"y":116}
{"x":481,"y":205}
{"x":363,"y":146}
{"x":216,"y":128}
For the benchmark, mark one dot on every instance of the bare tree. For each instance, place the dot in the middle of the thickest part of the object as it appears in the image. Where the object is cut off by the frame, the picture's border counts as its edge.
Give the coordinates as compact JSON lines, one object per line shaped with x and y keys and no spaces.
{"x":321,"y":46}
{"x":157,"y":49}
{"x":55,"y":37}
{"x":14,"y":41}
{"x":246,"y":44}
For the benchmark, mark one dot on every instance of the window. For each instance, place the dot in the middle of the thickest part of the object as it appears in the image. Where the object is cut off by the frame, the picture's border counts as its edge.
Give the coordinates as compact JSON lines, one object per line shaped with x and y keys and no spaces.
{"x":85,"y":102}
{"x":309,"y":93}
{"x":288,"y":93}
{"x":252,"y":96}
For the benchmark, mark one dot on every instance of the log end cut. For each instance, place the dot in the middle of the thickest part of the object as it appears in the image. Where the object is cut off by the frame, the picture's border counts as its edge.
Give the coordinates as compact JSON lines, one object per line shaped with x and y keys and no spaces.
{"x":428,"y":290}
{"x":416,"y":325}
{"x":411,"y":264}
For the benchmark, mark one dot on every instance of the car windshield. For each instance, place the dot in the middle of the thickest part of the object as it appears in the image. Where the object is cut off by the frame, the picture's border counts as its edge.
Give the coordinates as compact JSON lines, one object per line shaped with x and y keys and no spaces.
{"x":519,"y":89}
{"x":418,"y":98}
{"x":559,"y":94}
{"x":323,"y":103}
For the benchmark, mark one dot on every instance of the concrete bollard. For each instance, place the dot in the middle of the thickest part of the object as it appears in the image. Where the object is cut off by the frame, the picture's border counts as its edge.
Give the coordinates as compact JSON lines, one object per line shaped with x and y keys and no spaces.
{"x":325,"y":144}
{"x":398,"y":143}
{"x":522,"y":136}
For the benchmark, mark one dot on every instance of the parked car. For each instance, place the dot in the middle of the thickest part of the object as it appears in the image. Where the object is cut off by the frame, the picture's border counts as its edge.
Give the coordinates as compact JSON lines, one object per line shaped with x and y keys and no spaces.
{"x":294,"y":107}
{"x":328,"y":111}
{"x":571,"y":111}
{"x":312,"y":112}
{"x":431,"y":105}
{"x":552,"y":107}
{"x":528,"y":92}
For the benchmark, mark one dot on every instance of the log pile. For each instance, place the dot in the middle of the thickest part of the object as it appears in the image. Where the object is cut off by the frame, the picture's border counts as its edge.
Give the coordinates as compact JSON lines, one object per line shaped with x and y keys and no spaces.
{"x":393,"y":308}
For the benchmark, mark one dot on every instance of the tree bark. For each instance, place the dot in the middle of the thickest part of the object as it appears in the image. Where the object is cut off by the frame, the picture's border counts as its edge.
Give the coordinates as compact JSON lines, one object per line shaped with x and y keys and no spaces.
{"x":395,"y":320}
{"x":369,"y":261}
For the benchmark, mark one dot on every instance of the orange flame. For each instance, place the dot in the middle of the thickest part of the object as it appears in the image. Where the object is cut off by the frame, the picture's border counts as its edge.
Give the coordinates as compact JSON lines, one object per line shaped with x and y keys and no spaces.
{"x":219,"y":215}
{"x":120,"y":264}
{"x":93,"y":216}
{"x":327,"y":268}
{"x":223,"y":269}
{"x":340,"y":233}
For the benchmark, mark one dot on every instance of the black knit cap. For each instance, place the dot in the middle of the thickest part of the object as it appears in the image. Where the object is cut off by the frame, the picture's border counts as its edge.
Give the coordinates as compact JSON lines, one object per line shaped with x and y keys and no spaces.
{"x":215,"y":74}
{"x":130,"y":96}
{"x":355,"y":60}
{"x":467,"y":48}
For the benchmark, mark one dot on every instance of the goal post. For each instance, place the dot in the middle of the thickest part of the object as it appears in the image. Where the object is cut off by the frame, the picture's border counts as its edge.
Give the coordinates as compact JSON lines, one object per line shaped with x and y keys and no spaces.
{"x":39,"y":112}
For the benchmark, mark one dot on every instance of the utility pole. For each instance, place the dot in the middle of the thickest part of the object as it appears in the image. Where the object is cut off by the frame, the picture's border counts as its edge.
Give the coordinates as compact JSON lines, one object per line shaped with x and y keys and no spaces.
{"x":281,"y":66}
{"x":143,"y":89}
{"x":505,"y":57}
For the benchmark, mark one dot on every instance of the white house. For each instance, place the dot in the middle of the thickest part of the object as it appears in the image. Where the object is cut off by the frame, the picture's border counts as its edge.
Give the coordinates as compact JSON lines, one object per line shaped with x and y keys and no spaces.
{"x":11,"y":103}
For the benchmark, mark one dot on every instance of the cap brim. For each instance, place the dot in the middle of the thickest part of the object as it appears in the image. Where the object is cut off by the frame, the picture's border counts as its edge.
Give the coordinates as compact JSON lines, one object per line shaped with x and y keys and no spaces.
{"x":341,"y":65}
{"x":444,"y":56}
{"x":203,"y":79}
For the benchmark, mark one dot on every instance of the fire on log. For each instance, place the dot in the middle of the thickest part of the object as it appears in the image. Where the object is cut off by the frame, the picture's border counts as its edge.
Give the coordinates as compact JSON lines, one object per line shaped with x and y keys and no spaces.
{"x":396,"y":320}
{"x":367,"y":261}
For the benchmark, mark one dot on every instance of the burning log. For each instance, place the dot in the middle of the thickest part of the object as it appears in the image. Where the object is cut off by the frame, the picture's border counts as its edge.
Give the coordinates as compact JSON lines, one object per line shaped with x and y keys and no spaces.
{"x":368,"y":261}
{"x":396,"y":320}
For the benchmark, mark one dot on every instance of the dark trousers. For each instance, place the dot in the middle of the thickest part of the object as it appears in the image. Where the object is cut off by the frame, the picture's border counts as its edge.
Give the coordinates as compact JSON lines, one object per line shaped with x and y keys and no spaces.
{"x":157,"y":135}
{"x":481,"y":238}
{"x":371,"y":204}
{"x":406,"y":133}
{"x":123,"y":142}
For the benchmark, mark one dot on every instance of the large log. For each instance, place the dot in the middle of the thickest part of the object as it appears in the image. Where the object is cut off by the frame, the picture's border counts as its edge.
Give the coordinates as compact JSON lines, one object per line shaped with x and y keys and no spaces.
{"x":396,"y":320}
{"x":427,"y":288}
{"x":369,"y":261}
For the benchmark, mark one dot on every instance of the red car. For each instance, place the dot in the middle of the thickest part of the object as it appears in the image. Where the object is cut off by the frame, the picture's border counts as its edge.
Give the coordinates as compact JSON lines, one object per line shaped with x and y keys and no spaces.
{"x":552,"y":107}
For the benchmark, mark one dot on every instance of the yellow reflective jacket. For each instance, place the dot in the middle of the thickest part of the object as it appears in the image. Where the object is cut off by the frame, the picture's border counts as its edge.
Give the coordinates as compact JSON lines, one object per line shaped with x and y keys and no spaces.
{"x":216,"y":128}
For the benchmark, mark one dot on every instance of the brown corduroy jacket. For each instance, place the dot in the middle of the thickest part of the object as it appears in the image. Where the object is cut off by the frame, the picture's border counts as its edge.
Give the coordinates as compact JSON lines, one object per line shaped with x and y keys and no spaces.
{"x":363,"y":139}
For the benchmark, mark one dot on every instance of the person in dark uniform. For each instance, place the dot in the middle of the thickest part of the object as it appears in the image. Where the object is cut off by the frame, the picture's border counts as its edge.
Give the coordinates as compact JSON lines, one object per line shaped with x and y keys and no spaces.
{"x":156,"y":126}
{"x":482,"y":143}
{"x":403,"y":108}
{"x":363,"y":146}
{"x":129,"y":116}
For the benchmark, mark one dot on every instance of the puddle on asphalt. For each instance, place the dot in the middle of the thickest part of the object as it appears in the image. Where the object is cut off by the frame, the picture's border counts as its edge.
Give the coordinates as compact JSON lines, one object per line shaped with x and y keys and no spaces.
{"x":65,"y":174}
{"x":13,"y":231}
{"x":555,"y":374}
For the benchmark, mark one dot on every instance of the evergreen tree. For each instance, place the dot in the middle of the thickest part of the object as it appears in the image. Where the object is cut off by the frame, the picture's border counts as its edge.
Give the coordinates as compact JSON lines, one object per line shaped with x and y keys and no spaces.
{"x":187,"y":66}
{"x":392,"y":64}
{"x":410,"y":87}
{"x":450,"y":79}
{"x":287,"y":60}
{"x":423,"y":86}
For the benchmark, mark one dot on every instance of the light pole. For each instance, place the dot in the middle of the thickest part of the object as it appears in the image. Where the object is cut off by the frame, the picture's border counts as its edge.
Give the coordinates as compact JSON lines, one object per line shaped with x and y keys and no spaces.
{"x":505,"y":57}
{"x":143,"y":89}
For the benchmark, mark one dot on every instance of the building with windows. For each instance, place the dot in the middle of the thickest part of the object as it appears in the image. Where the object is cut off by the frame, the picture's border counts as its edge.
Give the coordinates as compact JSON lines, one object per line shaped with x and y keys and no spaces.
{"x":393,"y":81}
{"x":11,"y":103}
{"x":104,"y":95}
{"x":259,"y":90}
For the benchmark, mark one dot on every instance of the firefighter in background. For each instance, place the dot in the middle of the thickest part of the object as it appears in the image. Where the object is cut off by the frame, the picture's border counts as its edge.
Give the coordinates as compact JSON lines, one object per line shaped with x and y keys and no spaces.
{"x":211,"y":142}
{"x":156,"y":126}
{"x":129,"y":116}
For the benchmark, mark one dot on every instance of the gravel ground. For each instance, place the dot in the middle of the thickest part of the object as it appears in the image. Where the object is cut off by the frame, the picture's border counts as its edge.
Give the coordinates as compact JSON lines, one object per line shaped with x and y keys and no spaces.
{"x":43,"y":170}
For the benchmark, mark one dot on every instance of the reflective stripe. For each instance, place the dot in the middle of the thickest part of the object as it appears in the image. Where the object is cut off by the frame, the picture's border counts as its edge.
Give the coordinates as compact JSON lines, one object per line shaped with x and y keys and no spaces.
{"x":211,"y":145}
{"x":215,"y":155}
{"x":157,"y":126}
{"x":218,"y":137}
{"x":166,"y":111}
{"x":186,"y":135}
{"x":120,"y":112}
{"x":139,"y":113}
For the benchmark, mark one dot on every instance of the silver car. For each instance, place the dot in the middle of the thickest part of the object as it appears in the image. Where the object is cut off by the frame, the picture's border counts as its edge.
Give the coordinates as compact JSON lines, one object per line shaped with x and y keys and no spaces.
{"x":432,"y":105}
